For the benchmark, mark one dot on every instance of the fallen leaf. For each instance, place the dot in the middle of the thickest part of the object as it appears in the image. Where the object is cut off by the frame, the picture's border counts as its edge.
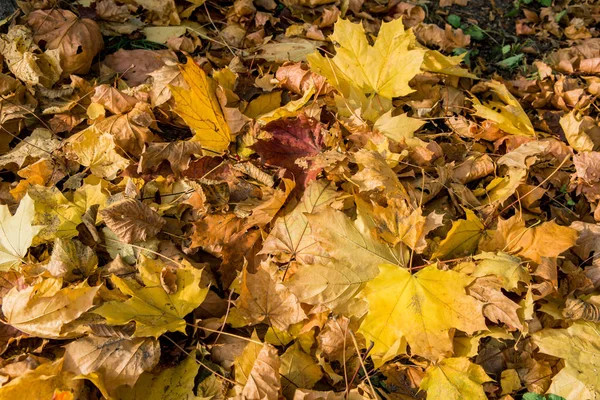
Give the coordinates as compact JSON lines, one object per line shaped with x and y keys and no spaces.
{"x":290,"y":237}
{"x":132,"y":221}
{"x":77,"y":40}
{"x":153,"y":309}
{"x":39,"y":145}
{"x":172,"y":383}
{"x":578,"y":346}
{"x":200,"y":109}
{"x":506,"y":267}
{"x":498,"y":308}
{"x":299,"y":370}
{"x":511,"y":117}
{"x":113,"y":99}
{"x":137,"y":65}
{"x":576,"y":136}
{"x":291,"y":139}
{"x":545,"y":240}
{"x":42,"y":382}
{"x":263,"y":299}
{"x":370,"y":67}
{"x":44,"y":309}
{"x":455,"y":378}
{"x":177,"y":154}
{"x":71,"y":260}
{"x":112,"y":361}
{"x":422,"y":308}
{"x":462,"y":239}
{"x":97,"y":151}
{"x":24,"y":61}
{"x":17,"y":233}
{"x":257,"y":370}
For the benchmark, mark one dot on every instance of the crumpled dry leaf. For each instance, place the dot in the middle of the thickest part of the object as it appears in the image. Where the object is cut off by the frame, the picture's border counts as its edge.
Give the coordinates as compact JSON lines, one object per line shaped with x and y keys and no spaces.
{"x":446,"y":39}
{"x":111,"y":361}
{"x":26,"y":61}
{"x":132,"y":221}
{"x":77,"y":40}
{"x":263,"y":299}
{"x":44,"y":309}
{"x":177,"y":154}
{"x":257,"y":369}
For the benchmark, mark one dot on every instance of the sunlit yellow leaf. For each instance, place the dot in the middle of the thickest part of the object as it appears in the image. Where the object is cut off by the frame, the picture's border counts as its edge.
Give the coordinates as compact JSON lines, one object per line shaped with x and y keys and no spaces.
{"x":462,"y":239}
{"x":200,"y":109}
{"x":422,"y":308}
{"x":511,"y":117}
{"x":455,"y":379}
{"x":154,"y":310}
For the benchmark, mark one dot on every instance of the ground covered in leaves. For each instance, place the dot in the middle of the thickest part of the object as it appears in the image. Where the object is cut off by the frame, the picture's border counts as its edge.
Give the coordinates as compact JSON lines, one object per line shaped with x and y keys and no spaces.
{"x":305,"y":199}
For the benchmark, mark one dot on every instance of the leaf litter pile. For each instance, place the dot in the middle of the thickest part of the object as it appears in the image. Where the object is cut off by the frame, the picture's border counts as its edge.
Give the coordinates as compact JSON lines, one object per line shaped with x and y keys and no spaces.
{"x":307,"y":199}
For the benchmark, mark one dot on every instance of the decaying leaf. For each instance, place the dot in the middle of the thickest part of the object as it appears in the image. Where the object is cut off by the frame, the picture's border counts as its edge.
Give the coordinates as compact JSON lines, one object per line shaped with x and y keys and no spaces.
{"x":132,"y":221}
{"x":77,"y":40}
{"x":111,"y":361}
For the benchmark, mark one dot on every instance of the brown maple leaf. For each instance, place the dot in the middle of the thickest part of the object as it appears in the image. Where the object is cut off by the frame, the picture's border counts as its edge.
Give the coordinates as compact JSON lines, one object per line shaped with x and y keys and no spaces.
{"x":292,"y":139}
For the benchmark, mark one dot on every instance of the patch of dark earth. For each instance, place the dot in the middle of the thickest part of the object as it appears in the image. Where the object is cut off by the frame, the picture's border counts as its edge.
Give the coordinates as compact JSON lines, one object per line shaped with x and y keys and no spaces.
{"x":492,"y":25}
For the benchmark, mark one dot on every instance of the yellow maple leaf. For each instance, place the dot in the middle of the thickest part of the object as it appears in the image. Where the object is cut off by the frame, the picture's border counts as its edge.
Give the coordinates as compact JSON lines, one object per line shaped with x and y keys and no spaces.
{"x":371,"y":69}
{"x":42,"y":382}
{"x":510,"y":117}
{"x":257,"y":369}
{"x":462,"y":239}
{"x":171,"y":383}
{"x":200,"y":109}
{"x":422,"y":308}
{"x":44,"y":308}
{"x":299,"y":370}
{"x":154,"y":310}
{"x":16,"y":233}
{"x":455,"y":379}
{"x":578,"y":346}
{"x":96,"y":150}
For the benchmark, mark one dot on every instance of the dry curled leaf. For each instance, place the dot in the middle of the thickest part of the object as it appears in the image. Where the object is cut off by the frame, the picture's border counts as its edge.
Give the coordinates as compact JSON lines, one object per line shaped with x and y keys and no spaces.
{"x":132,"y":221}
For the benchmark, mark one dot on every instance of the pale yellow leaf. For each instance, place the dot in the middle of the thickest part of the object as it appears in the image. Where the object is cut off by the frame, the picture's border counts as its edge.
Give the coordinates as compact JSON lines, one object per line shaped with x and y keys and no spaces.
{"x":455,"y":379}
{"x":43,"y":309}
{"x":16,"y":233}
